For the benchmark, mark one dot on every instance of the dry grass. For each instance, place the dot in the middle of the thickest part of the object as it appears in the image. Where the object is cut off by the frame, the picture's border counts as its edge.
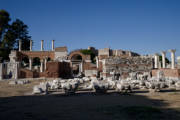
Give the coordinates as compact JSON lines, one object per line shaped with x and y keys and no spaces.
{"x":87,"y":105}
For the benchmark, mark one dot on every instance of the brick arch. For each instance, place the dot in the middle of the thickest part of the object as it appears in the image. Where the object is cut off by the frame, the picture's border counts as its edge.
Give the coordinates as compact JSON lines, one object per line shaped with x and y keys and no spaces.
{"x":34,"y":54}
{"x":84,"y":57}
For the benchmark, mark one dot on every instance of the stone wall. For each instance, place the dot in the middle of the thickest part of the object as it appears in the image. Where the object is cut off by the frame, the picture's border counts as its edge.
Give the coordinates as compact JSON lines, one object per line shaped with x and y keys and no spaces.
{"x":61,"y":56}
{"x":104,"y":51}
{"x":127,"y":65}
{"x":25,"y":73}
{"x":33,"y":54}
{"x":178,"y":62}
{"x":89,"y":73}
{"x":89,"y":66}
{"x":57,"y":69}
{"x":9,"y":70}
{"x":172,"y":73}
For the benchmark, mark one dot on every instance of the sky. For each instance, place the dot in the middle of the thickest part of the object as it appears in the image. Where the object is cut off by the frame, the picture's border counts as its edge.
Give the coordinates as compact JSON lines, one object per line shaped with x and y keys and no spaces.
{"x":142,"y":26}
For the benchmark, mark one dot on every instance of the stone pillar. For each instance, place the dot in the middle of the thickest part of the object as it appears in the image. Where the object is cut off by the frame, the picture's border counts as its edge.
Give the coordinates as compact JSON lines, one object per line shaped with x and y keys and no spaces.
{"x":97,"y":62}
{"x":163,"y":53}
{"x":172,"y":58}
{"x":30,"y":63}
{"x":116,"y":52}
{"x":156,"y":61}
{"x":41,"y":67}
{"x":45,"y":62}
{"x":30,"y":45}
{"x":1,"y":71}
{"x":16,"y":70}
{"x":20,"y":44}
{"x":81,"y":67}
{"x":42,"y":46}
{"x":52,"y":45}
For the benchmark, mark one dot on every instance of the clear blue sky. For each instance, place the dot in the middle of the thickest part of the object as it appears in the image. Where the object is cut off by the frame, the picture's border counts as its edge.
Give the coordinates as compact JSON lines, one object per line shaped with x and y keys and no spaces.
{"x":143,"y":26}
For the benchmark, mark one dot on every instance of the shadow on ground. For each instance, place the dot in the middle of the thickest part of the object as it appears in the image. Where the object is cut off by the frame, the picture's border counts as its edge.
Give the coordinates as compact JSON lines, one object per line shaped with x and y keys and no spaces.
{"x":85,"y":106}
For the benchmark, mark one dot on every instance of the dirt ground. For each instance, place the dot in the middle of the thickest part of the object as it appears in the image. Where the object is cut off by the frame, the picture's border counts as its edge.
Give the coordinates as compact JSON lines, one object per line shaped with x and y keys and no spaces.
{"x":17,"y":103}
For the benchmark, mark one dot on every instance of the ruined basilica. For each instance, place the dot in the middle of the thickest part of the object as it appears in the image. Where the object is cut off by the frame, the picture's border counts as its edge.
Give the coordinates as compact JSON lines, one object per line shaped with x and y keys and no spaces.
{"x":100,"y":63}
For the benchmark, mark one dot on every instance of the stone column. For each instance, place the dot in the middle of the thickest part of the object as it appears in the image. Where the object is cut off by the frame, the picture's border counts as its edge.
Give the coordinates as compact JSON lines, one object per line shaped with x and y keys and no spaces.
{"x":52,"y":45}
{"x":116,"y":52}
{"x":156,"y":61}
{"x":20,"y":44}
{"x":30,"y":63}
{"x":30,"y":45}
{"x":16,"y":70}
{"x":172,"y":58}
{"x":1,"y":71}
{"x":42,"y":46}
{"x":97,"y":62}
{"x":163,"y":53}
{"x":41,"y":67}
{"x":81,"y":67}
{"x":45,"y":62}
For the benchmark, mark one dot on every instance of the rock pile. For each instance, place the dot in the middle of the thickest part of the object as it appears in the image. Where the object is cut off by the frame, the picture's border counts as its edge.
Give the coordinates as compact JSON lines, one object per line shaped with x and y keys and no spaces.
{"x":135,"y":81}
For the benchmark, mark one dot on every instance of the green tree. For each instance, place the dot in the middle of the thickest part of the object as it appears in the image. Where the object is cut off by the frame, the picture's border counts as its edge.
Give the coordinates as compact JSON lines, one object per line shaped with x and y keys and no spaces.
{"x":19,"y":30}
{"x":10,"y":34}
{"x":4,"y":20}
{"x":89,"y":52}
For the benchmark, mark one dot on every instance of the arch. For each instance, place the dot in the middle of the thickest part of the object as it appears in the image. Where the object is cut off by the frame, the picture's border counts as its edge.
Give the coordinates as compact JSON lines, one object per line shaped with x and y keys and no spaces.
{"x":36,"y":61}
{"x":78,"y":56}
{"x":25,"y":61}
{"x":48,"y":59}
{"x":39,"y":54}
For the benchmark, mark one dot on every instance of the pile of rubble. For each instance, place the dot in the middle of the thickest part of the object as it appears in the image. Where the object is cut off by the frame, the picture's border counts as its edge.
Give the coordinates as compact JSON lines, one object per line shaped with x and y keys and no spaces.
{"x":19,"y":82}
{"x":135,"y":81}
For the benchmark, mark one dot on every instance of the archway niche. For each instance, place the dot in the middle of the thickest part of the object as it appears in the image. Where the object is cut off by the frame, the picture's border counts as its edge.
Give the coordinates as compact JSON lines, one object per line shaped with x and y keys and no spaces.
{"x":25,"y":62}
{"x":76,"y":64}
{"x":36,"y":63}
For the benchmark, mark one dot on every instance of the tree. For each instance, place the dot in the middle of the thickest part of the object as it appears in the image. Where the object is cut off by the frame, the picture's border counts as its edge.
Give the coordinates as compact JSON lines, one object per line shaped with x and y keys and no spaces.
{"x":10,"y":34}
{"x":4,"y":20}
{"x":89,"y":52}
{"x":19,"y":30}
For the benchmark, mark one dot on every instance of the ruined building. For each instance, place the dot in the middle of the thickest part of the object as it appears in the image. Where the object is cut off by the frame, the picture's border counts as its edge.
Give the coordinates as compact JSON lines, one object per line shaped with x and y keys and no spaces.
{"x":89,"y":62}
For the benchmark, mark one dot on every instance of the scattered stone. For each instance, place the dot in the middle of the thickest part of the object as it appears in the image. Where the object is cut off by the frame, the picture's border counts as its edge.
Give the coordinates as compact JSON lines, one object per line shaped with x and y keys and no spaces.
{"x":13,"y":82}
{"x":37,"y":90}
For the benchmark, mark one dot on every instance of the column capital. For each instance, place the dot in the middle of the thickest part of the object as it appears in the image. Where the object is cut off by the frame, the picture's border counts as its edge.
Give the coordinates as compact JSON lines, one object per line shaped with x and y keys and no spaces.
{"x":45,"y":58}
{"x":172,"y":50}
{"x":156,"y":54}
{"x":163,"y":52}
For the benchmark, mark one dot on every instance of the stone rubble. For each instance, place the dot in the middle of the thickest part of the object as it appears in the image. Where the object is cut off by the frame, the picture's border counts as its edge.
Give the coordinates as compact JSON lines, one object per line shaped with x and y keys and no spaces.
{"x":135,"y":81}
{"x":19,"y":82}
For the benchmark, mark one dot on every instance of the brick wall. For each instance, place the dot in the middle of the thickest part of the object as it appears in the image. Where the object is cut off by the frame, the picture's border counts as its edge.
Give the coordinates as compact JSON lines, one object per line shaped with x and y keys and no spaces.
{"x":167,"y":72}
{"x":57,"y":69}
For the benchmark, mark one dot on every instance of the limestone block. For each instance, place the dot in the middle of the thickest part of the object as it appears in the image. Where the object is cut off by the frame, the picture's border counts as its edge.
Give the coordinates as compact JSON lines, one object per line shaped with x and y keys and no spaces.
{"x":13,"y":82}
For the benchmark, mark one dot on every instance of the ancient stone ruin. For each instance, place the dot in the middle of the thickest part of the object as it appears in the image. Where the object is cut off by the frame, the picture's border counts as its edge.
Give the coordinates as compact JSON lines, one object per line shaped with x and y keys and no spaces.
{"x":99,"y":70}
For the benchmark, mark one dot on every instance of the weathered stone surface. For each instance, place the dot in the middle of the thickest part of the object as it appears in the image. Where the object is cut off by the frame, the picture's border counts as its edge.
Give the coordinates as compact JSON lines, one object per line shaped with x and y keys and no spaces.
{"x":125,"y":66}
{"x":13,"y":82}
{"x":37,"y":90}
